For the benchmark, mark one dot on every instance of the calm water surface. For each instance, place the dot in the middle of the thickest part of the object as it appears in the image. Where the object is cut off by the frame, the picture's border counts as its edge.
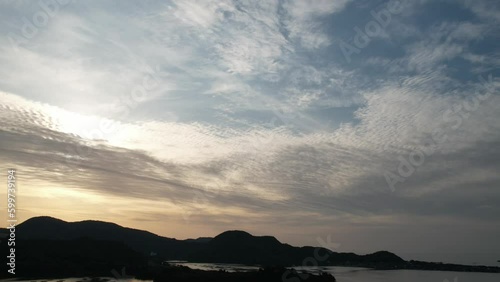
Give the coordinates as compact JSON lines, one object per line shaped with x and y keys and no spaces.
{"x":352,"y":274}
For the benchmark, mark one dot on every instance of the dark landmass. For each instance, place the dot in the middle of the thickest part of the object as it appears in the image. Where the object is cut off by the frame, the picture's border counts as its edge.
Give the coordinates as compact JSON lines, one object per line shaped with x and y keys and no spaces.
{"x":72,"y":258}
{"x":48,"y":228}
{"x":422,"y":265}
{"x":228,"y":247}
{"x":244,"y":248}
{"x":271,"y":274}
{"x":51,"y":248}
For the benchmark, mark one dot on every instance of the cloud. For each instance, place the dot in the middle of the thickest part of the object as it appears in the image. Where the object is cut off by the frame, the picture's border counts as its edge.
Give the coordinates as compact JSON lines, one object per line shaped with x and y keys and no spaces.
{"x":174,"y":160}
{"x":487,"y":10}
{"x":301,"y":21}
{"x":251,"y":119}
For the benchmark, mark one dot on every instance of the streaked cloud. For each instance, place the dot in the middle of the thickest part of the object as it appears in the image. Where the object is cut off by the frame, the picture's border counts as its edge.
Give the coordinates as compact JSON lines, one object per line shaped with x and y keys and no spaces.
{"x":231,"y":114}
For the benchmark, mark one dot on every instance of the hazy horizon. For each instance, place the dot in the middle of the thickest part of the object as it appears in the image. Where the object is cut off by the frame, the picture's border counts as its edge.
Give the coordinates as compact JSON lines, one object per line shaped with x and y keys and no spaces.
{"x":373,"y":123}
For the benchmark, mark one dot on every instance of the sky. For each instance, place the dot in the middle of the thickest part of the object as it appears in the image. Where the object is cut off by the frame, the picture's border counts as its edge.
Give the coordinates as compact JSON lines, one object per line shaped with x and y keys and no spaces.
{"x":370,"y":125}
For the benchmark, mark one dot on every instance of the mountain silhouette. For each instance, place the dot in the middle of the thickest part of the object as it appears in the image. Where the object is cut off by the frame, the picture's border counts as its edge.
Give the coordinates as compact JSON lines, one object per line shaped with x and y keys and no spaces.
{"x":50,"y":228}
{"x":228,"y":247}
{"x":241,"y":247}
{"x":94,"y":247}
{"x":80,"y":248}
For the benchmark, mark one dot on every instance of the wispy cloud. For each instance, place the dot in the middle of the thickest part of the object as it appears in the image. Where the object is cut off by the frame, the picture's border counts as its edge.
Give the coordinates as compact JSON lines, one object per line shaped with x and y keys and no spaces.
{"x":250,"y":117}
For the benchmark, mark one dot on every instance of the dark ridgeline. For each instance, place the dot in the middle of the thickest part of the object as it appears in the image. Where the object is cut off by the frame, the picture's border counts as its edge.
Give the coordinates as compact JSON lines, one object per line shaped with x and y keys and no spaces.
{"x":244,"y":248}
{"x":49,"y":247}
{"x":227,"y":247}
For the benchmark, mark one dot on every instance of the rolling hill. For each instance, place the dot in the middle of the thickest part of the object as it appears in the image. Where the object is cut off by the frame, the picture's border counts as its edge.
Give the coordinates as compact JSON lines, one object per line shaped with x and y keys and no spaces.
{"x":228,"y":247}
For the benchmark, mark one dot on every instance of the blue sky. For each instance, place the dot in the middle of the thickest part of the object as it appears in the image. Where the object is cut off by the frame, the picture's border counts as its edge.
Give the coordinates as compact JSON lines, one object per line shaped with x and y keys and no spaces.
{"x":372,"y":122}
